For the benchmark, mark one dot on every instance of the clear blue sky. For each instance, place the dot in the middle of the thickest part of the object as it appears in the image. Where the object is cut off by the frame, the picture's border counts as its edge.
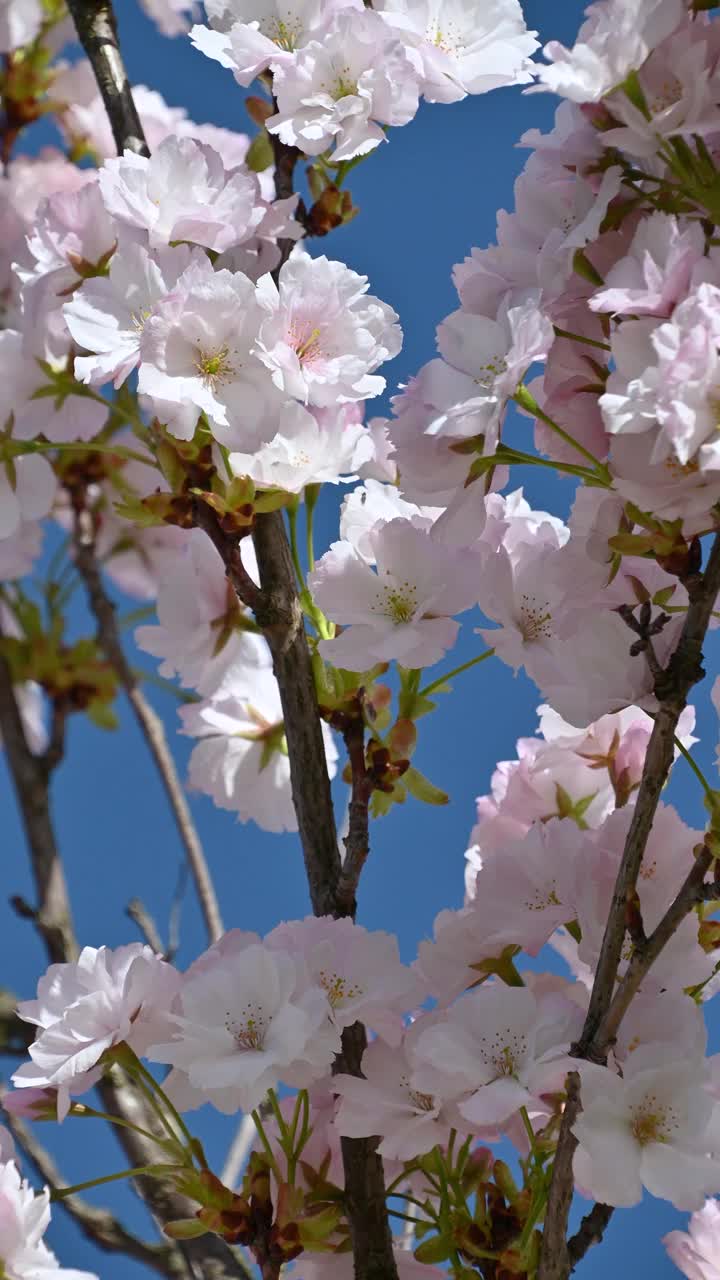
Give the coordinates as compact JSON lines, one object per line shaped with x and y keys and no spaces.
{"x":425,"y":198}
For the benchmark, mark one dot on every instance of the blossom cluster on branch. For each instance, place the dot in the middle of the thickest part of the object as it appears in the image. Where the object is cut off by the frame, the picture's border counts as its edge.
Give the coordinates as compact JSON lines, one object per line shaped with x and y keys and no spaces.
{"x":177,"y":366}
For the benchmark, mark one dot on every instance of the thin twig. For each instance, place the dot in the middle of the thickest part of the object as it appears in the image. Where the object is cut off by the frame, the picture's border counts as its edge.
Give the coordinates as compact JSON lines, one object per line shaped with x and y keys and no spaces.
{"x":97,"y":31}
{"x":138,"y":912}
{"x":590,"y":1232}
{"x":148,"y":721}
{"x":206,"y":1258}
{"x":671,"y":688}
{"x":357,"y":840}
{"x":99,"y":1225}
{"x":30,"y":777}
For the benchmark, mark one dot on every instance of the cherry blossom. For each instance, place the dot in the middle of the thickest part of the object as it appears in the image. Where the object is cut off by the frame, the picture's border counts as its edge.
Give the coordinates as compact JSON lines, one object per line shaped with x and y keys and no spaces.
{"x":696,"y":1252}
{"x":322,"y":335}
{"x":246,"y":1022}
{"x":404,"y":611}
{"x":386,"y":1100}
{"x":24,"y":1218}
{"x":250,"y":38}
{"x":654,"y":1128}
{"x":106,"y":315}
{"x":196,"y":356}
{"x":340,"y":91}
{"x":241,"y":759}
{"x":360,"y":971}
{"x":202,"y":629}
{"x":463,"y":52}
{"x":494,"y":1046}
{"x":615,"y":39}
{"x":183,"y":192}
{"x":85,"y":1007}
{"x":308,"y":449}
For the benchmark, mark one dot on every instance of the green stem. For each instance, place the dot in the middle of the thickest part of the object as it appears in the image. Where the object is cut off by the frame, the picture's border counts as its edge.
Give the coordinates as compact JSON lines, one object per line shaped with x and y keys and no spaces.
{"x":312,"y":493}
{"x":81,"y":1111}
{"x":89,"y":446}
{"x":528,"y":1129}
{"x":152,"y":1082}
{"x":579,"y":337}
{"x":154,"y":1170}
{"x":430,"y":688}
{"x":528,"y":402}
{"x":292,"y":521}
{"x":712,"y":795}
{"x":257,"y":1121}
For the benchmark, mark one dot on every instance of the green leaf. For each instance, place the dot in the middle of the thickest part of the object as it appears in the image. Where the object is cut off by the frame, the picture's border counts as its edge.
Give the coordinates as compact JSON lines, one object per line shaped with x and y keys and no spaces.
{"x":185,"y":1229}
{"x":260,"y":153}
{"x":436,"y":1249}
{"x":102,"y":714}
{"x":422,"y":789}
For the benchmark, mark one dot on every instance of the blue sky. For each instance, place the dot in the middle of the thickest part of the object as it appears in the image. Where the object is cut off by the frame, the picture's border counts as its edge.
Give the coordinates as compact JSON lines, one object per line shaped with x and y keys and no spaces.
{"x":426,"y":198}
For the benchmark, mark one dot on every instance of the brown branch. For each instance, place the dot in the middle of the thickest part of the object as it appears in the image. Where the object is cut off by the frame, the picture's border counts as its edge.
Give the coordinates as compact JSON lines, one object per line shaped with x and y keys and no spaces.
{"x":646,"y":952}
{"x":278,"y":613}
{"x":97,"y":31}
{"x":590,"y":1232}
{"x":148,"y":721}
{"x":139,"y":914}
{"x":16,"y":1036}
{"x":98,"y":1225}
{"x":206,"y":1258}
{"x":672,"y":687}
{"x":31,"y":776}
{"x":357,"y":840}
{"x":365,"y":1195}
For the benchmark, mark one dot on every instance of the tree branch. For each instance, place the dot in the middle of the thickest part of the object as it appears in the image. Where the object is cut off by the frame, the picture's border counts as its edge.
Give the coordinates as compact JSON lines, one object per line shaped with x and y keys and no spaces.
{"x":30,"y":777}
{"x":671,"y":688}
{"x":148,"y":721}
{"x":590,"y":1232}
{"x":206,"y":1258}
{"x":99,"y":1225}
{"x":97,"y":31}
{"x":357,"y":840}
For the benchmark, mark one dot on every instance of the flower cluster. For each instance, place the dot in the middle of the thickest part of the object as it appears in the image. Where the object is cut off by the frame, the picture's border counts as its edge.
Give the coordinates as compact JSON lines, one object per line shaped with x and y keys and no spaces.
{"x":173,"y":356}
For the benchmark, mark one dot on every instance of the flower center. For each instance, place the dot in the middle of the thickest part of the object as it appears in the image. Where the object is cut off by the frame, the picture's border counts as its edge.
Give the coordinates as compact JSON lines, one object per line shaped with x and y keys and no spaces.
{"x":248,"y":1028}
{"x":489,"y":372}
{"x":305,"y":342}
{"x":338,"y":990}
{"x":679,"y":470}
{"x":535,"y":619}
{"x":422,"y":1101}
{"x":653,"y":1121}
{"x":504,"y":1051}
{"x":284,"y":32}
{"x":398,"y":602}
{"x":446,"y":39}
{"x":214,"y":366}
{"x":542,"y":899}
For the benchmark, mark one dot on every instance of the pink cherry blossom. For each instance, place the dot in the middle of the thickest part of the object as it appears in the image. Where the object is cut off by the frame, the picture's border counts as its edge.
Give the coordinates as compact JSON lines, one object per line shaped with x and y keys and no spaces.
{"x":404,"y":611}
{"x":85,"y":1007}
{"x":322,"y":336}
{"x":246,"y":1022}
{"x":654,"y":1128}
{"x":24,"y":1219}
{"x":615,"y":39}
{"x":360,"y":971}
{"x":696,"y":1252}
{"x":182,"y":192}
{"x":340,"y":91}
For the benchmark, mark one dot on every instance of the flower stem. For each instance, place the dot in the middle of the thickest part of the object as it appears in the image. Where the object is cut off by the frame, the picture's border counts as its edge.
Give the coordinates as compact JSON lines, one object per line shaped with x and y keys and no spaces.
{"x":153,"y":1170}
{"x":436,"y":684}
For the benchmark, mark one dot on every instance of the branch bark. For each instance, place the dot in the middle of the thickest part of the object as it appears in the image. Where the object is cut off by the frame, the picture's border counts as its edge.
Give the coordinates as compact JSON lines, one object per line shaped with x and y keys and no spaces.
{"x":278,"y":613}
{"x":671,"y":688}
{"x":97,"y":31}
{"x":149,"y":723}
{"x":98,"y":1225}
{"x":209,"y":1257}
